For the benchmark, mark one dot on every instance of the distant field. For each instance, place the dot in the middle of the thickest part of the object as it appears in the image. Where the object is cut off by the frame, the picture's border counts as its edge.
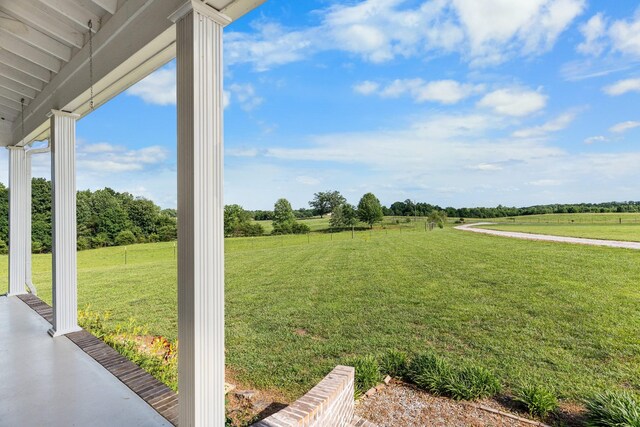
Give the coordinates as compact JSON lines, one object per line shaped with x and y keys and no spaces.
{"x":608,"y":231}
{"x":562,"y":315}
{"x":580,"y":218}
{"x":322,"y":224}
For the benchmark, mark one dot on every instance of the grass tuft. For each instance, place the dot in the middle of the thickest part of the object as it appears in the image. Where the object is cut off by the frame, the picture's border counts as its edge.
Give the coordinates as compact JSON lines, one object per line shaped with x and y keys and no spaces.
{"x":367,"y":374}
{"x":613,"y":409}
{"x":394,"y":363}
{"x":538,"y":400}
{"x":436,"y":375}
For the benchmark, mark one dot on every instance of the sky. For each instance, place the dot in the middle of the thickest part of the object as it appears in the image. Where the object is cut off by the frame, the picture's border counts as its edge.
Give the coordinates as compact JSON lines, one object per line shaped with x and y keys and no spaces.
{"x":451,"y":102}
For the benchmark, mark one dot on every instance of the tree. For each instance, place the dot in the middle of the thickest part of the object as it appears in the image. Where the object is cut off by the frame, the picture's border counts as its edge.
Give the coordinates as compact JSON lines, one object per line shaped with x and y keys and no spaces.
{"x":125,"y":237}
{"x":438,"y":218}
{"x":283,"y":217}
{"x":326,"y":201}
{"x":237,"y":222}
{"x":369,"y":209}
{"x":343,"y":216}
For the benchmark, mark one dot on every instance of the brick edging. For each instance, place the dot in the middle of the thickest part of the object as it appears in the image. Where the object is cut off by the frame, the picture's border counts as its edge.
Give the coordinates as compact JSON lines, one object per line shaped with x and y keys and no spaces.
{"x":156,"y":394}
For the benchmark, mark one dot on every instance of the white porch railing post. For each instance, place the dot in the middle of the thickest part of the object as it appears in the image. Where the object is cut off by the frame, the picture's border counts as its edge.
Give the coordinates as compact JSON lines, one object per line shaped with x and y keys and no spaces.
{"x":200,"y":203}
{"x":63,"y":186}
{"x":18,"y":206}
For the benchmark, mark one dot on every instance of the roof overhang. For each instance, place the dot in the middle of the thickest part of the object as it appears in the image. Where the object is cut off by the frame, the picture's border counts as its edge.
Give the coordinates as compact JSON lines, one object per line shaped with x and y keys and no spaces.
{"x":132,"y":38}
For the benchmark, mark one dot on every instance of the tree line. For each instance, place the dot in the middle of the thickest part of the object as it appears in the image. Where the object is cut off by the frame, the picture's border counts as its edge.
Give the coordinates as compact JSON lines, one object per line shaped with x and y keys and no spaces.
{"x":104,"y":218}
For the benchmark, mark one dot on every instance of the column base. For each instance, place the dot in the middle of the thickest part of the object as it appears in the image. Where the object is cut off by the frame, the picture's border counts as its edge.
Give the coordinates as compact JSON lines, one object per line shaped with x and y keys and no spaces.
{"x":53,"y":333}
{"x":15,"y":294}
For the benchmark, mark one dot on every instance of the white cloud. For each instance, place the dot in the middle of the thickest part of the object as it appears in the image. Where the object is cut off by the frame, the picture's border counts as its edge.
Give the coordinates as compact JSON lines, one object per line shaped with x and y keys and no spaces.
{"x":619,"y":36}
{"x":246,"y":96}
{"x":483,"y":32}
{"x":442,"y":91}
{"x":366,"y":87}
{"x":516,"y":102}
{"x":623,"y":86}
{"x":597,"y":138}
{"x":624,"y":126}
{"x":555,"y":125}
{"x":594,"y":31}
{"x":158,"y":88}
{"x":308,"y":180}
{"x":546,"y":182}
{"x":105,"y":157}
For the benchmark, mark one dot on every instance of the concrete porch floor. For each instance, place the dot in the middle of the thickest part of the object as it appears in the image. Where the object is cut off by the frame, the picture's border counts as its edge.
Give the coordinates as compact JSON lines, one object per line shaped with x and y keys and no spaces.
{"x":52,"y":382}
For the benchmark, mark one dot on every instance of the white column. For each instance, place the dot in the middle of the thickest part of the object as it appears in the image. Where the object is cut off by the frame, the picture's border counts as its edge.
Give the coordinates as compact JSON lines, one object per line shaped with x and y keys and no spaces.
{"x":18,"y":206}
{"x":28,"y":226}
{"x":200,"y":232}
{"x":63,"y":184}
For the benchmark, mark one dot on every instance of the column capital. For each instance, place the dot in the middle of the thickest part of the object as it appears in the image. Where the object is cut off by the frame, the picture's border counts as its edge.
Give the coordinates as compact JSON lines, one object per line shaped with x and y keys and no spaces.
{"x":63,"y":114}
{"x":201,"y":8}
{"x":14,"y":147}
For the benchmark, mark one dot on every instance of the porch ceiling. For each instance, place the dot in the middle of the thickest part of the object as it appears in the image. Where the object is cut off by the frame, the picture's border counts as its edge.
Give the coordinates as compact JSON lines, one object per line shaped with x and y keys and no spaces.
{"x":44,"y":54}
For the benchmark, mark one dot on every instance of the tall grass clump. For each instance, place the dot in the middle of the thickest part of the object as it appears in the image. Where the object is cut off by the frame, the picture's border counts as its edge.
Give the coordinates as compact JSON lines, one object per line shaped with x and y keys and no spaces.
{"x":394,"y":364}
{"x":367,"y":374}
{"x":436,"y":375}
{"x":613,"y":409}
{"x":538,"y":400}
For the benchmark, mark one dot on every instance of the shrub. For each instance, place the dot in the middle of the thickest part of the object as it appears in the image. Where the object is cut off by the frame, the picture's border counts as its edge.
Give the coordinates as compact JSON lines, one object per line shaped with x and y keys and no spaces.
{"x":83,"y":243}
{"x":394,"y":364}
{"x":538,"y":400}
{"x":471,"y":383}
{"x":4,"y":249}
{"x":125,"y":237}
{"x":153,"y":237}
{"x":167,"y":233}
{"x":428,"y":372}
{"x":613,"y":409}
{"x":436,"y":375}
{"x":100,"y":241}
{"x":367,"y":374}
{"x":300,"y":228}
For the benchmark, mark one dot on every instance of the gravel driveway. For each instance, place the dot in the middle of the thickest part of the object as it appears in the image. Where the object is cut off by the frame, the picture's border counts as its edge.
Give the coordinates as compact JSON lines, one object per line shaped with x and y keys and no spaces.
{"x":548,"y":238}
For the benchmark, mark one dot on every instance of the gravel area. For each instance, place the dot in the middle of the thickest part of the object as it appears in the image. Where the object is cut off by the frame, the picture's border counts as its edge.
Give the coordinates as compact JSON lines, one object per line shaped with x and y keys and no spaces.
{"x":401,"y":405}
{"x":548,"y":238}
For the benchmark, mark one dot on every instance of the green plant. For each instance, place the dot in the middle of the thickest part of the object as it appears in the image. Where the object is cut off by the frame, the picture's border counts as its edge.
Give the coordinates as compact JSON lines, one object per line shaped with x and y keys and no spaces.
{"x":470,"y":383}
{"x":125,"y":237}
{"x":613,"y":409}
{"x":429,"y":372}
{"x":538,"y":400}
{"x":436,"y":375}
{"x":394,"y":363}
{"x":367,"y":373}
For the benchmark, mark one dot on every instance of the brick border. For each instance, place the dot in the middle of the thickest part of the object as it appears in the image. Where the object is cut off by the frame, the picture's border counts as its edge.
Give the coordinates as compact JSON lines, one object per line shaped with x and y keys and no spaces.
{"x":156,"y":394}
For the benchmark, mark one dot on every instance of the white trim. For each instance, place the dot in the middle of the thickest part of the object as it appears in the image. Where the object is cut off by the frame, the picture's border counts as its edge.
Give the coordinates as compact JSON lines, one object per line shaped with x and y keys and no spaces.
{"x":202,"y":9}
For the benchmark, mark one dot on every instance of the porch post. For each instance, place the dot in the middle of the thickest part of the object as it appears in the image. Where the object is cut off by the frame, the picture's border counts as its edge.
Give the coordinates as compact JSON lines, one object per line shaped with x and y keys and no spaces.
{"x":63,"y":187}
{"x":200,"y":231}
{"x":18,"y":206}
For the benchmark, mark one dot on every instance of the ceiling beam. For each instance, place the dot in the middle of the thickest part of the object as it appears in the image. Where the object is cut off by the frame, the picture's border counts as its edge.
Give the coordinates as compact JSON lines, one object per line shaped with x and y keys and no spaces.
{"x":15,"y":106}
{"x":74,"y":12}
{"x":35,"y":17}
{"x":109,"y":6}
{"x":18,"y":47}
{"x":8,"y":113}
{"x":22,"y":90}
{"x":13,"y":96}
{"x":20,"y":77}
{"x":27,"y":67}
{"x":11,"y":25}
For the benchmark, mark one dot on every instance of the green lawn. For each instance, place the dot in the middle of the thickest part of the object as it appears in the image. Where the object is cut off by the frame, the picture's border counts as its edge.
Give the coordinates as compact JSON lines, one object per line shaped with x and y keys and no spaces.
{"x":558,"y":314}
{"x":628,"y":232}
{"x":579,"y":218}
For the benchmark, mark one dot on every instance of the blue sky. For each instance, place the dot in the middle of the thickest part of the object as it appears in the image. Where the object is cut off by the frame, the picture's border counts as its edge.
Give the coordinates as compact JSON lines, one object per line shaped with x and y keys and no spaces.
{"x":452,"y":102}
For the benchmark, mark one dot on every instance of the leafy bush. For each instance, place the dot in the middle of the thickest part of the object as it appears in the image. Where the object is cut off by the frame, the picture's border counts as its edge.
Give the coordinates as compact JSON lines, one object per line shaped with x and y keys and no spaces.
{"x":83,"y":243}
{"x":436,"y":375}
{"x":394,"y":364}
{"x":367,"y":373}
{"x":300,"y":228}
{"x":125,"y":237}
{"x":4,"y":249}
{"x":613,"y":409}
{"x":167,"y":233}
{"x":538,"y":400}
{"x":429,"y":372}
{"x":153,"y":237}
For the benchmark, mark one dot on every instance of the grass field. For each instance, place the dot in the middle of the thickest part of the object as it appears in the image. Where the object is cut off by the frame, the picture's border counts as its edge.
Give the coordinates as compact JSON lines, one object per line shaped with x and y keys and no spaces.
{"x":579,"y":218}
{"x":558,"y":314}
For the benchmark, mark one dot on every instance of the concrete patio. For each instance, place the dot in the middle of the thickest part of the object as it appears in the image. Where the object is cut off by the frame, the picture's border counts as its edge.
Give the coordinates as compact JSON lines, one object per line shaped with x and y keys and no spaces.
{"x":54,"y":382}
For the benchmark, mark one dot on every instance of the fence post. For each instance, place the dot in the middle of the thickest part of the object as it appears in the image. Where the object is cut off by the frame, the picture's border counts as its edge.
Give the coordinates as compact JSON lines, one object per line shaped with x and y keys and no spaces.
{"x":125,"y":255}
{"x":174,"y":250}
{"x":352,"y":231}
